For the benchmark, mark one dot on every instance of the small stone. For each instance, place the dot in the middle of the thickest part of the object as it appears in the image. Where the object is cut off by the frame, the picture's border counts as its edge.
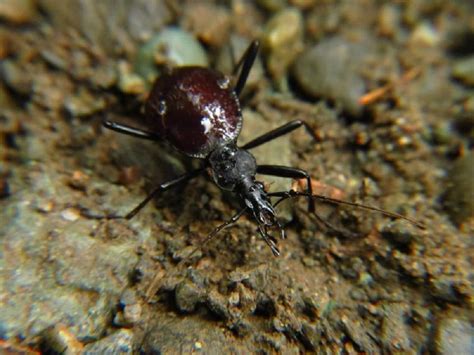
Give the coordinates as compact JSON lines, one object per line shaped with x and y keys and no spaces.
{"x":234,"y":299}
{"x":425,"y":34}
{"x":209,"y":22}
{"x":132,"y":313}
{"x":129,"y":82}
{"x":60,"y":339}
{"x":399,"y":231}
{"x":187,"y":296}
{"x":70,"y":214}
{"x":18,"y":12}
{"x":198,"y":345}
{"x":217,"y":304}
{"x":454,"y":336}
{"x":15,"y":77}
{"x":463,"y":69}
{"x":282,"y":38}
{"x":45,"y":206}
{"x":132,"y":310}
{"x":120,"y":342}
{"x":358,"y":295}
{"x":189,"y":251}
{"x":84,"y":104}
{"x":331,"y":70}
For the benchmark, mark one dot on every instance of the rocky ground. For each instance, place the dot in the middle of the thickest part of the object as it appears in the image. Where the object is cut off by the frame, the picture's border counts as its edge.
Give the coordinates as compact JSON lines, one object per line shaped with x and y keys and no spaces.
{"x":387,"y":88}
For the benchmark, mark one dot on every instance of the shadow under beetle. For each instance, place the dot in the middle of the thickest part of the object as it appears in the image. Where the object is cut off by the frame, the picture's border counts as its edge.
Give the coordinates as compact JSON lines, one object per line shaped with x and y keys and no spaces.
{"x":197,"y":111}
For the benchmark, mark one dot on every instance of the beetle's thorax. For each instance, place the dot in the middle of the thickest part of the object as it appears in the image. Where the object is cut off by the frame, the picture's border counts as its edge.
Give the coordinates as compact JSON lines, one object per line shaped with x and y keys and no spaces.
{"x":231,"y":166}
{"x":234,"y":169}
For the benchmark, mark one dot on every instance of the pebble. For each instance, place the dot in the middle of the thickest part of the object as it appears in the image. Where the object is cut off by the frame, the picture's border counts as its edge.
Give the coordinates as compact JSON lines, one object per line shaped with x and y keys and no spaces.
{"x":454,"y":336}
{"x":187,"y":296}
{"x":70,"y":214}
{"x":463,"y":69}
{"x":399,"y":231}
{"x":459,"y":196}
{"x":330,"y":70}
{"x":209,"y":22}
{"x":15,"y":77}
{"x":425,"y":35}
{"x":132,"y":310}
{"x":283,"y":39}
{"x":175,"y":45}
{"x":119,"y":342}
{"x":217,"y":304}
{"x":130,"y":82}
{"x":60,"y":339}
{"x":45,"y":206}
{"x":18,"y":12}
{"x":83,"y":104}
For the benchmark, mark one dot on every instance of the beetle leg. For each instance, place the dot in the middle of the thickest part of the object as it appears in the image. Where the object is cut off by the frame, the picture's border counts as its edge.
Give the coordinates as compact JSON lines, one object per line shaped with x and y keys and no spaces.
{"x":289,"y":172}
{"x":278,"y":132}
{"x":161,"y":188}
{"x":131,"y":131}
{"x":246,"y":62}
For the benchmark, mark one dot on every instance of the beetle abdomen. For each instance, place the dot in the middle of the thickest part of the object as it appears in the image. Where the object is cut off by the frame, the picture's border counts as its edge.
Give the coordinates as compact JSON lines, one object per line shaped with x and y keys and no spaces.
{"x":194,"y":109}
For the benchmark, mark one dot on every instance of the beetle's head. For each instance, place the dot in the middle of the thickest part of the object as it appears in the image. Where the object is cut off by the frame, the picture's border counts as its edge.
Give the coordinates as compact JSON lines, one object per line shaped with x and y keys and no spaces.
{"x":256,"y":199}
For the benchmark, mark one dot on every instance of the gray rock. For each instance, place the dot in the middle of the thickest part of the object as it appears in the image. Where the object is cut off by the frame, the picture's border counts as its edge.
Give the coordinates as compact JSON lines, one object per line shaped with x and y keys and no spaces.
{"x":399,"y":231}
{"x":120,"y":342}
{"x":187,"y":296}
{"x":454,"y":336}
{"x":331,"y":70}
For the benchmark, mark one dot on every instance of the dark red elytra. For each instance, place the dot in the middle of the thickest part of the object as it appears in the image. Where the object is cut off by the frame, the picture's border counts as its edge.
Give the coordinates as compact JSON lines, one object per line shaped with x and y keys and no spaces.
{"x":195,"y":109}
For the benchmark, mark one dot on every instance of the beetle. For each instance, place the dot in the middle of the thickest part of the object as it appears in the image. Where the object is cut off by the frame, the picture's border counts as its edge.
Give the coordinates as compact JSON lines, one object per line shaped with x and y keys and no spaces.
{"x":197,"y":111}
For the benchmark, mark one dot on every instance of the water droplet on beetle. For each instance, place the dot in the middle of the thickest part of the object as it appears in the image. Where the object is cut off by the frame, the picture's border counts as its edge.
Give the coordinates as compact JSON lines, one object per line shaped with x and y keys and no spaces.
{"x":223,"y":83}
{"x":162,"y":108}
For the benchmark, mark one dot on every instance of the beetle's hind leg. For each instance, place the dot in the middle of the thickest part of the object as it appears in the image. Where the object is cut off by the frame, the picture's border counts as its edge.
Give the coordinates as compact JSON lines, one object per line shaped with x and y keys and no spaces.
{"x":246,"y":62}
{"x":128,"y":130}
{"x":160,"y":188}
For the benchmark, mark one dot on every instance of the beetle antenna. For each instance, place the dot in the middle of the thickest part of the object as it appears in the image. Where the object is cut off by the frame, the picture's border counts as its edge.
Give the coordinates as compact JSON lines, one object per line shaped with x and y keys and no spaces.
{"x":270,"y":240}
{"x":152,"y":288}
{"x":284,"y":195}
